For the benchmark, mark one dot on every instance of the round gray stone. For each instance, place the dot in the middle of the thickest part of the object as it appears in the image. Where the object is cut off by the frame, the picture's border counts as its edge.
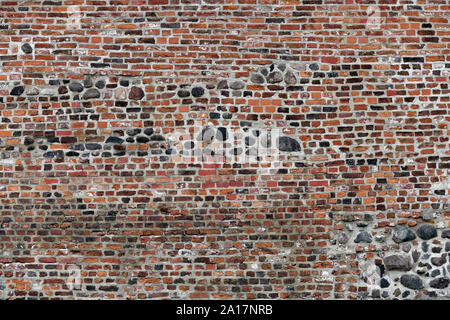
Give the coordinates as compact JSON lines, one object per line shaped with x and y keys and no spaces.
{"x":257,"y":78}
{"x":403,"y":234}
{"x":446,"y":234}
{"x":363,"y":236}
{"x":76,"y":87}
{"x":237,"y":85}
{"x":411,"y":281}
{"x":91,"y":94}
{"x":426,"y":231}
{"x":27,"y":48}
{"x":100,"y":84}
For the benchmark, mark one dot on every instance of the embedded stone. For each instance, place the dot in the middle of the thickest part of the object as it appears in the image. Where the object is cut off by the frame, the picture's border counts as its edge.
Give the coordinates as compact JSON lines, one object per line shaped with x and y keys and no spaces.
{"x":149,"y":131}
{"x":100,"y":84}
{"x":428,"y":214}
{"x":107,"y":94}
{"x":257,"y":78}
{"x":32,"y":91}
{"x":415,"y":255}
{"x":343,"y":238}
{"x":157,"y":137}
{"x":314,"y":66}
{"x":91,"y":94}
{"x":28,"y":140}
{"x":79,"y":147}
{"x":298,"y":66}
{"x":281,"y":67}
{"x":72,"y":154}
{"x":363,"y":236}
{"x":275,"y":77}
{"x":27,"y":48}
{"x":411,"y":281}
{"x":197,"y":91}
{"x":136,"y":93}
{"x":406,"y":247}
{"x":17,"y":91}
{"x":49,"y":91}
{"x":397,"y":262}
{"x":426,"y":231}
{"x":288,"y":144}
{"x":439,"y":283}
{"x":49,"y":154}
{"x":290,"y":78}
{"x":223,"y":84}
{"x":142,"y":139}
{"x":446,"y":234}
{"x":403,"y":234}
{"x":87,"y":83}
{"x":237,"y":85}
{"x":76,"y":87}
{"x":120,"y":94}
{"x":438,"y":261}
{"x":114,"y":140}
{"x":183,"y":93}
{"x":93,"y":146}
{"x":384,"y":283}
{"x":62,"y":90}
{"x":133,"y":132}
{"x":435,"y":273}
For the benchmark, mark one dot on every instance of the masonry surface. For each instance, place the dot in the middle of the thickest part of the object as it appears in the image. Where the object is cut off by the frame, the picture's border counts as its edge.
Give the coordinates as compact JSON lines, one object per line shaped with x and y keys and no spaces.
{"x":224,"y":149}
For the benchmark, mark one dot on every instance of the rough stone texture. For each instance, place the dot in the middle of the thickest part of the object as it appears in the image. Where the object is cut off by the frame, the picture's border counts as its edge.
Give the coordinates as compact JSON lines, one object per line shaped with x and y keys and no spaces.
{"x":17,"y":91}
{"x":426,"y":232}
{"x":136,"y":93}
{"x":224,"y":150}
{"x":76,"y":87}
{"x":26,"y":48}
{"x":363,"y":236}
{"x":275,"y":77}
{"x":403,"y":234}
{"x":398,"y":262}
{"x":91,"y":94}
{"x":440,"y":283}
{"x":257,"y":78}
{"x":411,"y":281}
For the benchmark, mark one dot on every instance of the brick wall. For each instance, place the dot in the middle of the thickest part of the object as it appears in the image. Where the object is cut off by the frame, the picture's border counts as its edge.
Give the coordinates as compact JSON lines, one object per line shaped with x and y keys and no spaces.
{"x":213,"y":149}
